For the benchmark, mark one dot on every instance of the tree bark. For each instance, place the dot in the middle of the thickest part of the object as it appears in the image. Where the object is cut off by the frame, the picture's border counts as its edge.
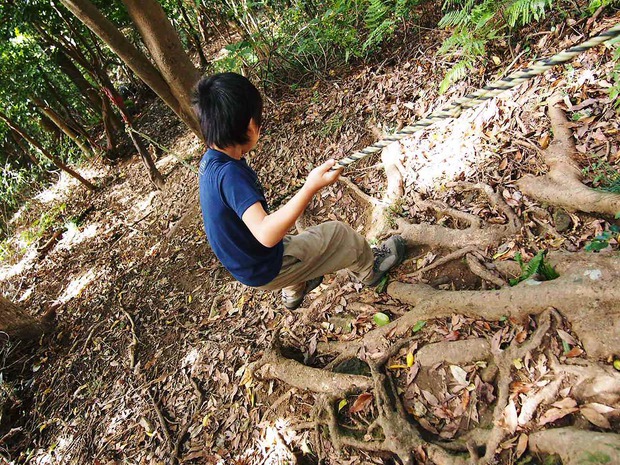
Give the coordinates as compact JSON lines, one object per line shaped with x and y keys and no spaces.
{"x":62,"y":125}
{"x":165,"y":48}
{"x":86,"y":88}
{"x":193,"y":36}
{"x":18,"y":140}
{"x":19,"y":325}
{"x":86,"y":12}
{"x":54,"y":159}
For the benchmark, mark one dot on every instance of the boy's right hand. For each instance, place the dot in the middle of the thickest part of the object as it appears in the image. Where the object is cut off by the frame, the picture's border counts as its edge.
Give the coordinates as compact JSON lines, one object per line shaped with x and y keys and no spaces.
{"x":321,"y":176}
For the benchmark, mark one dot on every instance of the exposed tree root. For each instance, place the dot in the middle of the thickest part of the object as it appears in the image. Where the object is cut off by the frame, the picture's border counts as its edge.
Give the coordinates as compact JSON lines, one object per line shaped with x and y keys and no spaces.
{"x":478,"y":269}
{"x":442,"y":237}
{"x":587,"y":284}
{"x":577,"y":446}
{"x":562,"y":185}
{"x":274,"y":365}
{"x":393,"y":430}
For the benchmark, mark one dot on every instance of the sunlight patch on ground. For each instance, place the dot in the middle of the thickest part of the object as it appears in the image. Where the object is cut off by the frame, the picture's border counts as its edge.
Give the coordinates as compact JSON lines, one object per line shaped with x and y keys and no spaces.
{"x":65,"y":183}
{"x":76,"y":286}
{"x":439,"y":155}
{"x":73,"y":236}
{"x":60,"y":454}
{"x":145,"y":204}
{"x":7,"y":272}
{"x":276,"y":443}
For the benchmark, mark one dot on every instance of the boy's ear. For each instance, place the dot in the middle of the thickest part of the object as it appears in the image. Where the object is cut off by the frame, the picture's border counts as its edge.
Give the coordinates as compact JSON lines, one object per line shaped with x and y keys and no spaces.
{"x":253,"y":127}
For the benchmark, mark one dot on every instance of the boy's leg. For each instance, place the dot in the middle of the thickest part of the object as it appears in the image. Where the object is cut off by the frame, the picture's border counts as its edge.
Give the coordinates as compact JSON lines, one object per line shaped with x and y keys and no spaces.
{"x":319,"y":250}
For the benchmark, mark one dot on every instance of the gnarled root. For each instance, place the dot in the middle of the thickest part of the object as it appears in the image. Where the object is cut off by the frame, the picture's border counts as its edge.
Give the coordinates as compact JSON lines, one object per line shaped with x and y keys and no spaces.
{"x":473,"y":236}
{"x":562,"y":185}
{"x":576,"y":446}
{"x":587,"y":286}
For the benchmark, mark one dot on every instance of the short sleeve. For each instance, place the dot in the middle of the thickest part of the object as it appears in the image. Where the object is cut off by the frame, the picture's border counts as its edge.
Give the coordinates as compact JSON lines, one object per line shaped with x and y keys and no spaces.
{"x":240,"y":189}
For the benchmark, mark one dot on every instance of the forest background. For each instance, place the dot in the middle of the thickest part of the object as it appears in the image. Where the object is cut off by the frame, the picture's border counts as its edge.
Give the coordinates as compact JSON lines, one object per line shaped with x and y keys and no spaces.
{"x":84,"y":86}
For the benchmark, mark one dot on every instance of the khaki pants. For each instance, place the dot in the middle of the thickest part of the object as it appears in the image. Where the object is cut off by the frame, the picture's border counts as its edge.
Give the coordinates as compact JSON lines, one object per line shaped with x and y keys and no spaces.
{"x":320,"y":250}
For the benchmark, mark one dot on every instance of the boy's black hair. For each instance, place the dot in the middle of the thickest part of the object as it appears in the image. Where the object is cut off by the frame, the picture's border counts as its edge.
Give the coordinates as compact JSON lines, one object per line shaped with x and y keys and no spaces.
{"x":225,"y":103}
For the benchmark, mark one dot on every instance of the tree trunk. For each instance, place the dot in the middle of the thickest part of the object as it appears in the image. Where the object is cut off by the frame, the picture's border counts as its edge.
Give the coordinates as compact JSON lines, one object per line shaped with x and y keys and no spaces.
{"x":18,"y":140}
{"x":86,"y":88}
{"x":62,"y":125}
{"x":193,"y":37}
{"x":54,"y":159}
{"x":165,"y":48}
{"x":154,"y":174}
{"x":86,"y":12}
{"x":17,"y":324}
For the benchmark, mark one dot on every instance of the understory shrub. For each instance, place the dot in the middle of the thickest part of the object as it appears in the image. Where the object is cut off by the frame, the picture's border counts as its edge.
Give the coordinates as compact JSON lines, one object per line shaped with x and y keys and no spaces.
{"x":475,"y":24}
{"x":292,"y":40}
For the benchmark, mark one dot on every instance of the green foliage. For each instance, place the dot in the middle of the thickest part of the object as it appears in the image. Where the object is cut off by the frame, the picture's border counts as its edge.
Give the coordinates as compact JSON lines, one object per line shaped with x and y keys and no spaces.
{"x":596,"y":4}
{"x":42,"y":225}
{"x":475,"y":24}
{"x":381,"y":319}
{"x":536,"y":266}
{"x":293,"y":40}
{"x":614,"y":92}
{"x":604,"y":176}
{"x":601,"y":241}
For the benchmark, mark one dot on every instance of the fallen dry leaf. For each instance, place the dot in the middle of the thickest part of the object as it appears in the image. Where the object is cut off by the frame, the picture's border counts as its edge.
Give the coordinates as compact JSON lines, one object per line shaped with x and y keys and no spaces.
{"x":521,"y":445}
{"x":595,"y":418}
{"x":362,"y":401}
{"x":554,"y":414}
{"x":510,"y":417}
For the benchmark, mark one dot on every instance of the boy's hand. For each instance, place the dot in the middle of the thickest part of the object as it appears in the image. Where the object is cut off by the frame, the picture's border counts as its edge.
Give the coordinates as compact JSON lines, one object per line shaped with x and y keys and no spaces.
{"x":321,"y":176}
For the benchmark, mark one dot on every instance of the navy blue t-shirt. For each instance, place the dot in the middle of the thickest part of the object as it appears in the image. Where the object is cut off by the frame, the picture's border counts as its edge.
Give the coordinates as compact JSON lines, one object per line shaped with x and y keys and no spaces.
{"x":228,"y":187}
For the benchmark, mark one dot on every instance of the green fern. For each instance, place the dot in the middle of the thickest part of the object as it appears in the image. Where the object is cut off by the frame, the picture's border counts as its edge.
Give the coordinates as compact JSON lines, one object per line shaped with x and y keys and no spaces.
{"x":476,"y":23}
{"x":522,"y":12}
{"x":536,"y":266}
{"x":456,"y":73}
{"x":376,"y":14}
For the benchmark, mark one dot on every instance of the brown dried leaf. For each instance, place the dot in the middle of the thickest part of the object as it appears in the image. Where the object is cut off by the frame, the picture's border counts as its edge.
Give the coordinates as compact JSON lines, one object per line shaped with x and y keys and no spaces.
{"x":430,"y":398}
{"x":566,"y":337}
{"x":567,"y":402}
{"x":595,"y":418}
{"x":521,"y":445}
{"x":574,"y":352}
{"x":510,"y":417}
{"x":554,"y":414}
{"x":600,"y":408}
{"x":521,"y":336}
{"x":362,"y":401}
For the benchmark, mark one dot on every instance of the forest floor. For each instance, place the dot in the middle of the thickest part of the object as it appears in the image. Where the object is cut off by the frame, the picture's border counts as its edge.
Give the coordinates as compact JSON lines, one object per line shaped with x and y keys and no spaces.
{"x":150,"y":359}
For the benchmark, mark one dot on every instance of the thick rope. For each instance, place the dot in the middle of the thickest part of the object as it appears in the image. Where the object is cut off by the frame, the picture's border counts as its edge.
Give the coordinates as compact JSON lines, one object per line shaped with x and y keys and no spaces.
{"x":455,"y":108}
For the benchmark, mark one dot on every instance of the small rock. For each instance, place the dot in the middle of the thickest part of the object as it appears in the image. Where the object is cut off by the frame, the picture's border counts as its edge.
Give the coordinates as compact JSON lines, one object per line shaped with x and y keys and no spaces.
{"x":562,"y":221}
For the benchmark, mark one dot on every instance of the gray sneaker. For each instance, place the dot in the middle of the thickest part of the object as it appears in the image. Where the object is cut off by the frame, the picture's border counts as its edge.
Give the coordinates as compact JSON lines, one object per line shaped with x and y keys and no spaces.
{"x":292,"y":302}
{"x":388,"y":255}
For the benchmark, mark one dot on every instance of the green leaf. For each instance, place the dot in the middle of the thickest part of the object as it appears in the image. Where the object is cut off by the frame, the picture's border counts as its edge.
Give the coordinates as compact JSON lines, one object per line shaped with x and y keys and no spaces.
{"x":566,"y":347}
{"x":418,"y":326}
{"x":382,"y":285}
{"x":617,"y":216}
{"x":341,"y":404}
{"x":596,"y":245}
{"x":381,"y":319}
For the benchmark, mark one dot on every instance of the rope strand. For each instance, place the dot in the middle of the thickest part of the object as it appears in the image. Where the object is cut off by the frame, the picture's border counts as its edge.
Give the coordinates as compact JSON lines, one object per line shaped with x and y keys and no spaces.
{"x":454,"y":109}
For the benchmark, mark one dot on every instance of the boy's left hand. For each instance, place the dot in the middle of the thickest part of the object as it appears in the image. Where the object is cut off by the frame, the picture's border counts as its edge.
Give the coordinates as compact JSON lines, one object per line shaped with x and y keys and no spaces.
{"x":321,"y":176}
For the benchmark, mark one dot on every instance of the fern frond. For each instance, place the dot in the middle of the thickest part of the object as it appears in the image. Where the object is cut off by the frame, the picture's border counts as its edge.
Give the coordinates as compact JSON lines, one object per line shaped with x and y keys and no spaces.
{"x":376,"y":13}
{"x":522,"y":12}
{"x":456,"y":73}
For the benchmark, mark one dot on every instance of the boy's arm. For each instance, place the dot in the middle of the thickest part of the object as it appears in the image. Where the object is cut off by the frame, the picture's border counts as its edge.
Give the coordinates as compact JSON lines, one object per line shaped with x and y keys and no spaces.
{"x":270,"y":229}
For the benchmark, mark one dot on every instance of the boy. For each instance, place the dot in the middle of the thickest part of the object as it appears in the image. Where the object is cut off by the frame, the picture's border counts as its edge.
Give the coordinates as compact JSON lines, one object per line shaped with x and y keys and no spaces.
{"x":251,"y":242}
